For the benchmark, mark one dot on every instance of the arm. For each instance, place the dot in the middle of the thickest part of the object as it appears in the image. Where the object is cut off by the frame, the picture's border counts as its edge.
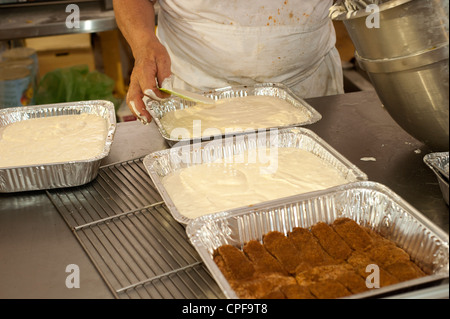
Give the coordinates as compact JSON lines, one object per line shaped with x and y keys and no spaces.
{"x":136,"y":21}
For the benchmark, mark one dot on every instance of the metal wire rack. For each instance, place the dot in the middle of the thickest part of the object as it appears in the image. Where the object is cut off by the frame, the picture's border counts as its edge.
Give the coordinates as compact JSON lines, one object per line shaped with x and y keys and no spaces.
{"x":123,"y":225}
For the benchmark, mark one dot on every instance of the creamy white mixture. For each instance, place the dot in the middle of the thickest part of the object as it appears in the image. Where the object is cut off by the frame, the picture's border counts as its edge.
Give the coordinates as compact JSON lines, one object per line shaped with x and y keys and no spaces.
{"x":52,"y":140}
{"x":213,"y":187}
{"x":232,"y":115}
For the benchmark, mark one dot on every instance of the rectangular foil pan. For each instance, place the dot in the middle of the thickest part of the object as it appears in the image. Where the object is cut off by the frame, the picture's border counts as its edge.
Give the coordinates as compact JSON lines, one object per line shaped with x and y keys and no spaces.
{"x":368,"y":203}
{"x":159,"y":109}
{"x":439,"y":164}
{"x":162,"y":163}
{"x":56,"y":175}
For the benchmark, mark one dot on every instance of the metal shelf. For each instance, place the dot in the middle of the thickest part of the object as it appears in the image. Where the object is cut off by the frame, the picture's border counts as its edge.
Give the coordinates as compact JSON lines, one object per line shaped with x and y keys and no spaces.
{"x":44,"y":19}
{"x":140,"y":251}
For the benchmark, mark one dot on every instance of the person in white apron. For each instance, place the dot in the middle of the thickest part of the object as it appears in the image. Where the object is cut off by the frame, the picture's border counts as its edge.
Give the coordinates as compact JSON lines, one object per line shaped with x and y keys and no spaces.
{"x":206,"y":44}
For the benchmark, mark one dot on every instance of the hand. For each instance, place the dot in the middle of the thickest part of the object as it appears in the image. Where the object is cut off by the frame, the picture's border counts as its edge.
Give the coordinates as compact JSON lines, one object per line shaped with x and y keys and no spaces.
{"x":151,"y":68}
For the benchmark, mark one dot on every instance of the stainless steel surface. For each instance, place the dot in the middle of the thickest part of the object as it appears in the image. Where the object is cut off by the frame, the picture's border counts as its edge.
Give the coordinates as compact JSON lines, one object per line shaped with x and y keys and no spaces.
{"x":45,"y":20}
{"x":62,"y":174}
{"x":278,"y":90}
{"x":417,"y":98}
{"x":406,"y":59}
{"x":162,"y":163}
{"x":371,"y":205}
{"x":37,"y":245}
{"x":34,"y":3}
{"x":406,"y":27}
{"x":406,"y":63}
{"x":381,"y":149}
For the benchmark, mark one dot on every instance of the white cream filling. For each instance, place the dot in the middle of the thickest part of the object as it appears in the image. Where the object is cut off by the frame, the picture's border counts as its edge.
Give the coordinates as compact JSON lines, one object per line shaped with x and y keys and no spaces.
{"x":213,"y":187}
{"x":52,"y":140}
{"x":232,"y":115}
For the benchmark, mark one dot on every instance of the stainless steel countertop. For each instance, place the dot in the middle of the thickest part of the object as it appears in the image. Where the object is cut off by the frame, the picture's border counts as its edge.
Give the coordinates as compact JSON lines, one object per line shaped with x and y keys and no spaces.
{"x":36,"y":244}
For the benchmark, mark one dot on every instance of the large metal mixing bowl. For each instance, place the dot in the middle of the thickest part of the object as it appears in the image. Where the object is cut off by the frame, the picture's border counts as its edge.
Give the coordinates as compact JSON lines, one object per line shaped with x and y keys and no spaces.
{"x":406,"y":59}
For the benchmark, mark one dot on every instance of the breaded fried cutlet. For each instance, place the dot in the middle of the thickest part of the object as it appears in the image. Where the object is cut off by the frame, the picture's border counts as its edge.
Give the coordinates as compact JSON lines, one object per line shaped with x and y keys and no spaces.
{"x":218,"y":260}
{"x":342,"y":273}
{"x":323,"y":262}
{"x":376,"y":236}
{"x":359,"y":261}
{"x":330,"y":241}
{"x":393,"y":259}
{"x":353,"y":234}
{"x":237,"y":266}
{"x":259,"y":286}
{"x":404,"y":271}
{"x":347,"y":276}
{"x":283,"y":249}
{"x":278,"y":294}
{"x":296,"y":292}
{"x":223,"y":268}
{"x":328,"y":290}
{"x":262,"y":260}
{"x":386,"y":253}
{"x":310,"y":251}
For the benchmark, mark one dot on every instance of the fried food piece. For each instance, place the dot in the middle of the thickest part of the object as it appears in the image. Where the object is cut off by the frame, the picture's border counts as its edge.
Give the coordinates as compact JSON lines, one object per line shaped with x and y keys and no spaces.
{"x":262,"y":260}
{"x":296,"y":292}
{"x":328,"y":290}
{"x":386,"y":253}
{"x":326,"y":262}
{"x":321,"y":285}
{"x":330,"y":241}
{"x":234,"y":262}
{"x":260,"y":286}
{"x":223,"y":268}
{"x":359,"y":261}
{"x":310,"y":251}
{"x":404,"y":271}
{"x":376,"y":236}
{"x":353,"y":234}
{"x":350,"y":279}
{"x":278,"y":294}
{"x":393,"y":259}
{"x":342,"y":273}
{"x":283,"y":249}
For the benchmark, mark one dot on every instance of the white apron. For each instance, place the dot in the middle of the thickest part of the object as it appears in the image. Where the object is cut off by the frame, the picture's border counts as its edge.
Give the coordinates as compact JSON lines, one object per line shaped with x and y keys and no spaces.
{"x":217,"y":43}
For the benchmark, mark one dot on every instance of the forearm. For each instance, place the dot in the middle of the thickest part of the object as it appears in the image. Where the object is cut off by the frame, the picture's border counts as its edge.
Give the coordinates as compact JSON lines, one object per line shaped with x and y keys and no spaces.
{"x":136,"y":21}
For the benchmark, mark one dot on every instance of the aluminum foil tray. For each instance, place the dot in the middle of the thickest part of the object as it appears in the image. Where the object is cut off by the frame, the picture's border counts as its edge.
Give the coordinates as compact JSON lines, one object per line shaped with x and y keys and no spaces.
{"x":55,"y":175}
{"x":370,"y":204}
{"x":439,"y":164}
{"x":159,"y":109}
{"x":162,"y":163}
